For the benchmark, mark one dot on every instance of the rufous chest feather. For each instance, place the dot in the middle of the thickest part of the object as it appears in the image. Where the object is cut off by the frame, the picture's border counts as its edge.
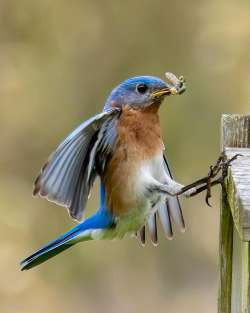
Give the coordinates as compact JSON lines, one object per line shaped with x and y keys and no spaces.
{"x":139,"y":133}
{"x":138,"y":142}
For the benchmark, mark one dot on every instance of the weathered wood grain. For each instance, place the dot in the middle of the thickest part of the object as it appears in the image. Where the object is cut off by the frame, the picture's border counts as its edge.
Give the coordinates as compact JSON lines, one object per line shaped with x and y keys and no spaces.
{"x":234,"y":295}
{"x":235,"y":131}
{"x":238,"y":190}
{"x":225,"y":254}
{"x":240,"y":275}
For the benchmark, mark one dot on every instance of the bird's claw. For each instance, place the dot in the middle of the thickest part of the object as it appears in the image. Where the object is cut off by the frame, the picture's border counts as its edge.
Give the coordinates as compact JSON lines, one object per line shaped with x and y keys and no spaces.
{"x":221,"y":165}
{"x":206,"y":183}
{"x":228,"y":162}
{"x":212,"y":172}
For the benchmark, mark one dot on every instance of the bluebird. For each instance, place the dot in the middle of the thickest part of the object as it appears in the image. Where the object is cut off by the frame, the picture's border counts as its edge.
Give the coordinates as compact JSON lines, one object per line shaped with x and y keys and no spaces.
{"x":122,"y":146}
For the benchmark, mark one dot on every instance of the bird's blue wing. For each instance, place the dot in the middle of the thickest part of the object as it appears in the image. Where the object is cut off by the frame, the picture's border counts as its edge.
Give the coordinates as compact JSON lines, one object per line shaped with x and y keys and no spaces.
{"x":68,"y":175}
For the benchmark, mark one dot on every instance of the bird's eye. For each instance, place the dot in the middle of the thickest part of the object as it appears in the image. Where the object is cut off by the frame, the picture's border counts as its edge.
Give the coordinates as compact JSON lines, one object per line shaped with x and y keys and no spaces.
{"x":142,"y":88}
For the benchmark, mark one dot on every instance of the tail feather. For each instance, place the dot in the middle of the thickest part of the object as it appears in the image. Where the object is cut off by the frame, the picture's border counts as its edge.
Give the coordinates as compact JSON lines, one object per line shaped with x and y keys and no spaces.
{"x":81,"y":232}
{"x":37,"y":259}
{"x":54,"y":247}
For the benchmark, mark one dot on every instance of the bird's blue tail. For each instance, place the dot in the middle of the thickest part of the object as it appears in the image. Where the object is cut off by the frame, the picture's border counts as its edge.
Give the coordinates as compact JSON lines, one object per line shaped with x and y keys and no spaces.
{"x":82,"y":232}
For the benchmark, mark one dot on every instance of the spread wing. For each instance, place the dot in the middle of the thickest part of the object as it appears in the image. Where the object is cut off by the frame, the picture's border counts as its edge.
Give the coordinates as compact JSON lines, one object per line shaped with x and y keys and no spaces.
{"x":68,"y":176}
{"x":168,"y":212}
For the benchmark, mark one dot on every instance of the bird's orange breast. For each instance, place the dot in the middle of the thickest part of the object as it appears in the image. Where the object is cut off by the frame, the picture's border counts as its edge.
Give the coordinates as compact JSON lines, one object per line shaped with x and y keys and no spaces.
{"x":139,"y":139}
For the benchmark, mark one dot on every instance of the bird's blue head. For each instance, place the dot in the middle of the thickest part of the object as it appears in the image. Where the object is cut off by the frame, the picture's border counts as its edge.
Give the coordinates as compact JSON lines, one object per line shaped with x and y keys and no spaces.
{"x":142,"y":91}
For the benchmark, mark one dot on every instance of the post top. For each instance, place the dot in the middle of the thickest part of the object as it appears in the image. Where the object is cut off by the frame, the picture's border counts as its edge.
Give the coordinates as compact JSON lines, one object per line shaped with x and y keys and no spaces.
{"x":235,"y":131}
{"x":236,"y":140}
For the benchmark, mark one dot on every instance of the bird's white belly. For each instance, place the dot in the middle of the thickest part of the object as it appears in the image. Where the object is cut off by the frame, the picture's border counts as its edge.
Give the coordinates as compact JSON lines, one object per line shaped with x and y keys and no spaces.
{"x":142,"y":202}
{"x":148,"y":171}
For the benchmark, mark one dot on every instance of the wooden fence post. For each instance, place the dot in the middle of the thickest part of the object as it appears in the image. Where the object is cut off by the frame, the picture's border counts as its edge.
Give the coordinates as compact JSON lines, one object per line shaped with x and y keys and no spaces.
{"x":234,"y":289}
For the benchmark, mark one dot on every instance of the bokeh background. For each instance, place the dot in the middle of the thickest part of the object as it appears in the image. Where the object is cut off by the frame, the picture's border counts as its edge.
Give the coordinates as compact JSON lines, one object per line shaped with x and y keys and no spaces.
{"x":58,"y":62}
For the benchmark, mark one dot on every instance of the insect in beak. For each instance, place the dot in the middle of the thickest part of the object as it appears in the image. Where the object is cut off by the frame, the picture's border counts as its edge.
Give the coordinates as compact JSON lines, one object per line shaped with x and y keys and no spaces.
{"x":175,"y":86}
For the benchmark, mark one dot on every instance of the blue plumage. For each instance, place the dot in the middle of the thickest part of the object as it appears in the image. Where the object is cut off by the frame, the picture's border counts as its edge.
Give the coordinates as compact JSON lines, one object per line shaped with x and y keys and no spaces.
{"x":82,"y":232}
{"x":126,"y":93}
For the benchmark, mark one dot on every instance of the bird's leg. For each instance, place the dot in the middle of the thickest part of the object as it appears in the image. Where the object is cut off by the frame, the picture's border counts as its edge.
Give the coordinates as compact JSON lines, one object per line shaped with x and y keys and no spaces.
{"x":172,"y":188}
{"x":213,"y":171}
{"x":215,"y":182}
{"x":169,"y":187}
{"x":206,"y":182}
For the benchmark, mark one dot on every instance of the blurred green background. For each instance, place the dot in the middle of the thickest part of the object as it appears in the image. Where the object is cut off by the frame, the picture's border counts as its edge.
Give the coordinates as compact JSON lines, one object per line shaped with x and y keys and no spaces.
{"x":58,"y":62}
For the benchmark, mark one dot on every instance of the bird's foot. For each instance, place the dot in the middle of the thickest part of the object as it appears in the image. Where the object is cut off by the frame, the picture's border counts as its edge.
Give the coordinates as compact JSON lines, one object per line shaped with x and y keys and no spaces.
{"x":205,"y":183}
